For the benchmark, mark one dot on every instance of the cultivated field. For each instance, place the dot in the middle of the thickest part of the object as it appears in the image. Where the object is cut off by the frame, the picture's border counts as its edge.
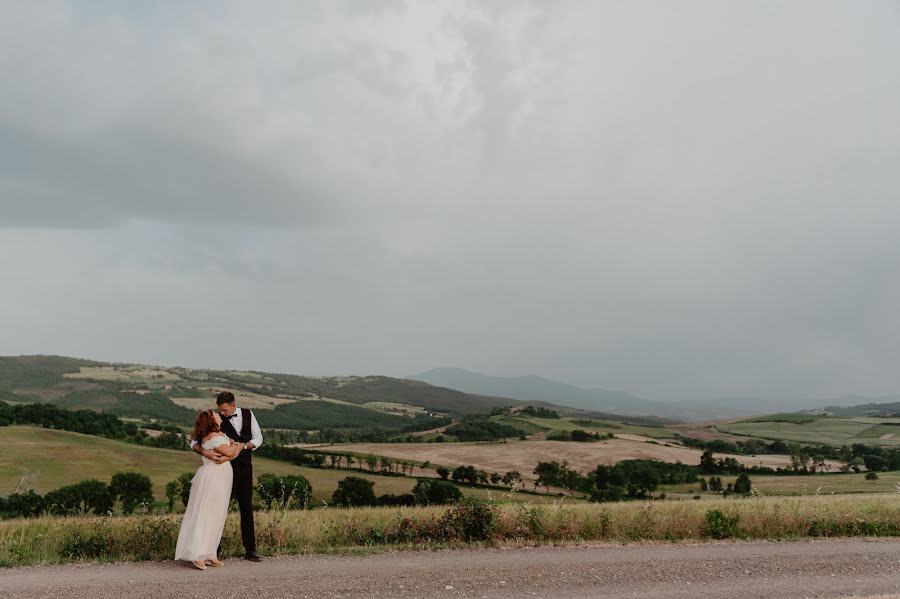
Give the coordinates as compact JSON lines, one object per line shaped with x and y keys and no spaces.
{"x":821,"y":430}
{"x":525,"y":455}
{"x":816,"y":484}
{"x":533,"y":424}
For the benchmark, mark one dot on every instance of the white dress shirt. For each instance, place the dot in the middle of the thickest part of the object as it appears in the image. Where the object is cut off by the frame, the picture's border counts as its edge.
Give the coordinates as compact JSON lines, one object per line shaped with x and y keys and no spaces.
{"x":237,"y":421}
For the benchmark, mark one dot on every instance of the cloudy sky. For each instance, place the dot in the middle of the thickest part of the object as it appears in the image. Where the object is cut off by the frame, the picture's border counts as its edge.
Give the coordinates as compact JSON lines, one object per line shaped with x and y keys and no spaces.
{"x":683,"y":200}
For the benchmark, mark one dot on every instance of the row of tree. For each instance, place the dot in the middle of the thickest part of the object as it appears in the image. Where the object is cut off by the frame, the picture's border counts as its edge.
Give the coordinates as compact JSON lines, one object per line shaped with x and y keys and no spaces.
{"x":127,"y":490}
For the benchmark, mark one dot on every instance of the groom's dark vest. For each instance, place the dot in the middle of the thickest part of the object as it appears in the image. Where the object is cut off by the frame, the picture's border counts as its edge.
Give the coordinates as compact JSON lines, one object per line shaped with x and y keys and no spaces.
{"x":245,"y":458}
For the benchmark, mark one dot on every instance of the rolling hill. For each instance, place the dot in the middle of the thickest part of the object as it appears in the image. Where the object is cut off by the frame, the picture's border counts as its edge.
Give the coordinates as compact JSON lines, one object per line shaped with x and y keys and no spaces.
{"x":286,"y":401}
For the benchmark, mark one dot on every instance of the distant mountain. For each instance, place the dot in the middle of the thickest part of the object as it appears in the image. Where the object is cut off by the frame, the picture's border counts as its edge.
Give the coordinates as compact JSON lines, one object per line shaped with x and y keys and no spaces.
{"x":534,"y":388}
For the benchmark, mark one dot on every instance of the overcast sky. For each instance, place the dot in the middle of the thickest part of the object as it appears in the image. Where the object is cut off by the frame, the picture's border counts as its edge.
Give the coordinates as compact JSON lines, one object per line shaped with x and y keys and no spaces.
{"x":682,"y":200}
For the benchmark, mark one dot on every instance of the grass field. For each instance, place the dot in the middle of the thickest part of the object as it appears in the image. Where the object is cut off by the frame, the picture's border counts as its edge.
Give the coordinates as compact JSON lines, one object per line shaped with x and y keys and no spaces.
{"x":59,"y":458}
{"x":819,"y":430}
{"x":817,"y":484}
{"x":55,"y":540}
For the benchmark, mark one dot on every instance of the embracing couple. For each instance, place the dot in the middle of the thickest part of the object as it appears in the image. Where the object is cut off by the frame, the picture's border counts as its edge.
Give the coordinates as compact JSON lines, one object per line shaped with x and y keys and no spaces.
{"x":226,"y":439}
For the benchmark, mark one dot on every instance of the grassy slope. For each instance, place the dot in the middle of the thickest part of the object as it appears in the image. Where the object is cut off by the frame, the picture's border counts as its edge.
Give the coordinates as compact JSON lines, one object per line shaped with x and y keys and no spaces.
{"x":63,"y":458}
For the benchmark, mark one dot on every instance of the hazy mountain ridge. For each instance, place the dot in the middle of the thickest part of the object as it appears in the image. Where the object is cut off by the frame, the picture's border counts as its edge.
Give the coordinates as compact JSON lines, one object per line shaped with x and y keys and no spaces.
{"x":536,"y":388}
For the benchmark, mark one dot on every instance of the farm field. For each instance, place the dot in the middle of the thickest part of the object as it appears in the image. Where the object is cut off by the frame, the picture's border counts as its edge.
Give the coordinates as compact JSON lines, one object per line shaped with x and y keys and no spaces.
{"x":816,"y":484}
{"x":533,"y":424}
{"x":821,"y":430}
{"x":525,"y":455}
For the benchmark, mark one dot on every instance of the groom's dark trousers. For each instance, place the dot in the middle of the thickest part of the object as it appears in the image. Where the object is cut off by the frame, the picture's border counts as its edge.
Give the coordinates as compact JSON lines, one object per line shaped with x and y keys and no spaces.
{"x":242,"y":485}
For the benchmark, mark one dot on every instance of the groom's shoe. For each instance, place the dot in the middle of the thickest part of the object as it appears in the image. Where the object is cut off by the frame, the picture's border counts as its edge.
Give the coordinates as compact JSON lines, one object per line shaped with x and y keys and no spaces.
{"x":252,"y":556}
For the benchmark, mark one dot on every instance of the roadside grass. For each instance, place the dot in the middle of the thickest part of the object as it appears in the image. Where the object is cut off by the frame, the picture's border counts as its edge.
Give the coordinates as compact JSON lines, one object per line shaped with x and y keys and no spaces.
{"x":814,"y":484}
{"x":58,"y":540}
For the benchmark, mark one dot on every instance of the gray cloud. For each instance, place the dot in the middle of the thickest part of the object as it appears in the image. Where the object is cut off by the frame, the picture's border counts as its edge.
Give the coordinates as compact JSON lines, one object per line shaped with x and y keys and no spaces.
{"x":682,"y":201}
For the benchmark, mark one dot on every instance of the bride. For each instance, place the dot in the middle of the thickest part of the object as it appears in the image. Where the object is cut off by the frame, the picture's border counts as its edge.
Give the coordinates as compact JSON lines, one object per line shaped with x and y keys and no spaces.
{"x":204,"y":518}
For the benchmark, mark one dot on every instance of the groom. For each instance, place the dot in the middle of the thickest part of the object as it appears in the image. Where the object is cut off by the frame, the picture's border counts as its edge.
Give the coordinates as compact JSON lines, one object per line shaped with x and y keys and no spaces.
{"x":239,"y":425}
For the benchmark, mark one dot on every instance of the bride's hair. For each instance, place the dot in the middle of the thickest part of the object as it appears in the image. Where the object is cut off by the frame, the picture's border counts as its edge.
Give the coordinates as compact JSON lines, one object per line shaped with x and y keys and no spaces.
{"x":205,"y":424}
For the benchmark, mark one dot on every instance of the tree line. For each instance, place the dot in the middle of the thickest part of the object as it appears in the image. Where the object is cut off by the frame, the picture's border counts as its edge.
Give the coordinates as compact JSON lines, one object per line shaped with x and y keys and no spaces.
{"x":88,"y":422}
{"x":126,"y":490}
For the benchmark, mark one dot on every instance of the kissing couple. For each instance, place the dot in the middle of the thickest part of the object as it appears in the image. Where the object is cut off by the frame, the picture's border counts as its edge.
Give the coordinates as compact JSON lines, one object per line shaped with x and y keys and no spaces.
{"x":226,"y":439}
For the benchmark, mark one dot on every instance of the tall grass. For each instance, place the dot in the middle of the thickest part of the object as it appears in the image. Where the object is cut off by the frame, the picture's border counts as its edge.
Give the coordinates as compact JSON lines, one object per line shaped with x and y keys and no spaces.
{"x":57,"y":540}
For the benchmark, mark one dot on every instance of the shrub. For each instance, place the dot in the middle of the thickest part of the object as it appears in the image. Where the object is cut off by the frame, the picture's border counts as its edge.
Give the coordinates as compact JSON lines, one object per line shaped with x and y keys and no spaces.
{"x":354,"y":491}
{"x":472,"y":519}
{"x":78,"y":545}
{"x":435,"y":492}
{"x":719,"y":525}
{"x":284,"y":492}
{"x":404,"y":500}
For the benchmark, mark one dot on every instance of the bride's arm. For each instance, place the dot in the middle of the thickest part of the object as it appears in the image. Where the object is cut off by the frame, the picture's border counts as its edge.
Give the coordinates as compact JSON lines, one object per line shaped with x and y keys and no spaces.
{"x":230,"y":450}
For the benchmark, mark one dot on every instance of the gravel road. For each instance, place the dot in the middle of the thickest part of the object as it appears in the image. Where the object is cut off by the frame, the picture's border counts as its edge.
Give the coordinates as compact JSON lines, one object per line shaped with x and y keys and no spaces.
{"x":709,"y":570}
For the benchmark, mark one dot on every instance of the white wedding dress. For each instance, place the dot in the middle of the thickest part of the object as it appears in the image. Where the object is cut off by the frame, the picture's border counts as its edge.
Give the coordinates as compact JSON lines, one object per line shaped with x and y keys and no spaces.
{"x":204,"y":518}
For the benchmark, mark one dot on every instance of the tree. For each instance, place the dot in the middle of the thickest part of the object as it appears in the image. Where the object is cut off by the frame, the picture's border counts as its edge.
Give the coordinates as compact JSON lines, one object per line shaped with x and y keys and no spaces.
{"x":183,"y":484}
{"x":548,"y":473}
{"x":443,"y":472}
{"x":874,"y":462}
{"x":743,"y":485}
{"x":354,"y":491}
{"x":435,"y":492}
{"x":171,"y":495}
{"x":22,"y":505}
{"x":512,"y":478}
{"x":703,"y":485}
{"x":371,"y":462}
{"x":88,"y":496}
{"x":708,"y":463}
{"x":132,"y":489}
{"x":466,"y":474}
{"x":872,"y":476}
{"x":610,"y":483}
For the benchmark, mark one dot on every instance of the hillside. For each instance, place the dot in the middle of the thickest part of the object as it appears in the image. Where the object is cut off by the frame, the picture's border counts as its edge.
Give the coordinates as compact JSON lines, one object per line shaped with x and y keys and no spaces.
{"x":819,"y":430}
{"x":174,"y":394}
{"x":890,"y":408}
{"x":50,"y":459}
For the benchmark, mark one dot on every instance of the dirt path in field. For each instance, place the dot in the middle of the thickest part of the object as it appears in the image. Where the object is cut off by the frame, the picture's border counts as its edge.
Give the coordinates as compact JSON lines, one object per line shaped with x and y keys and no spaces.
{"x":841,"y":568}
